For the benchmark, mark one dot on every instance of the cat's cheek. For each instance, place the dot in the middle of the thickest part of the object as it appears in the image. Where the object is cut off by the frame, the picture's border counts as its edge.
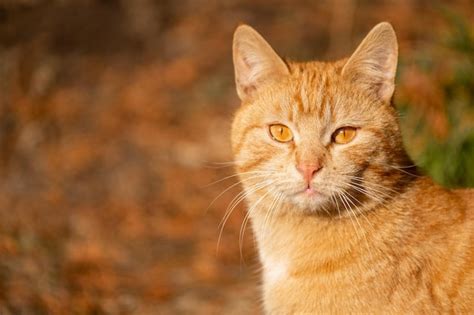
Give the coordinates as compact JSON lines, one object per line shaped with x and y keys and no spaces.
{"x":352,"y":157}
{"x":291,"y":172}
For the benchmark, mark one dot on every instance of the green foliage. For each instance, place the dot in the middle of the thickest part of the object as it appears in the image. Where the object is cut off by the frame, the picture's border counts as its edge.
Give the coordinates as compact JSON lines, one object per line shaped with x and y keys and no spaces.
{"x":450,"y":162}
{"x":448,"y":159}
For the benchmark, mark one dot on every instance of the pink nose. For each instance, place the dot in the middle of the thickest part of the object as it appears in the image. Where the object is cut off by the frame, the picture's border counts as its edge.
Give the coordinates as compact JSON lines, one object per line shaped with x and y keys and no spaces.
{"x":308,"y":170}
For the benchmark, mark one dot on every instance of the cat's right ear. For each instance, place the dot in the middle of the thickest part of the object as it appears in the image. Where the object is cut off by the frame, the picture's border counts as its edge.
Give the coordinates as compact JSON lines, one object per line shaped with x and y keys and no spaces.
{"x":374,"y":63}
{"x":255,"y":62}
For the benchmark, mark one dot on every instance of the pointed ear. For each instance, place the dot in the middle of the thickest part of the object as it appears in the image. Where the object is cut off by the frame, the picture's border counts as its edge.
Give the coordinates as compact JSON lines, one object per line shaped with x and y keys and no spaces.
{"x":255,"y":62}
{"x":374,"y":63}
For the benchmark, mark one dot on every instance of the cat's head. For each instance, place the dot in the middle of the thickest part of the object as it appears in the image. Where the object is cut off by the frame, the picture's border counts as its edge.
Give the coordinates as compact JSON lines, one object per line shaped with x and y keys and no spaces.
{"x":314,"y":133}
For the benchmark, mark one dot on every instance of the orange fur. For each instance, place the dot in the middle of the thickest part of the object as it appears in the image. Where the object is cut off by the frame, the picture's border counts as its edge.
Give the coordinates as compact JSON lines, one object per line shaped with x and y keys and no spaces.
{"x":376,"y":237}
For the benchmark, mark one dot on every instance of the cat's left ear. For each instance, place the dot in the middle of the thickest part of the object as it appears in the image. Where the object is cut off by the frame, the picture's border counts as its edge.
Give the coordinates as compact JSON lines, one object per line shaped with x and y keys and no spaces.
{"x":374,"y":63}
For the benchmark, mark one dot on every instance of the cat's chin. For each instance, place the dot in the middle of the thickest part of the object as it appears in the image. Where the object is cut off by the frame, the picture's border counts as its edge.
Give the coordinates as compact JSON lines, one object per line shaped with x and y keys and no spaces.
{"x":310,"y":200}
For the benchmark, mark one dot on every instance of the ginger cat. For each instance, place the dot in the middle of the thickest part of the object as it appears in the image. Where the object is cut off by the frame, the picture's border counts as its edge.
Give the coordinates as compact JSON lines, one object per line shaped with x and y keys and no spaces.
{"x":343,"y":220}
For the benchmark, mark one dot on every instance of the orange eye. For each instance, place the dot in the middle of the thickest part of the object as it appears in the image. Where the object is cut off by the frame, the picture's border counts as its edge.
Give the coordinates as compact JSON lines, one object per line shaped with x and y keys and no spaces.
{"x":344,"y":135}
{"x":281,"y":133}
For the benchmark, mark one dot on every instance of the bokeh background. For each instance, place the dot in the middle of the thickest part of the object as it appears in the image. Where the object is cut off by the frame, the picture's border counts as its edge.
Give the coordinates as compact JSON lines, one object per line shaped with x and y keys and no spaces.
{"x":114,"y":120}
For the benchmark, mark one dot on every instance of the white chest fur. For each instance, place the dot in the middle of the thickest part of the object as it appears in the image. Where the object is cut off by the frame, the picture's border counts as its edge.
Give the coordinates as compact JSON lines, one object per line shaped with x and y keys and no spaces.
{"x":274,"y":269}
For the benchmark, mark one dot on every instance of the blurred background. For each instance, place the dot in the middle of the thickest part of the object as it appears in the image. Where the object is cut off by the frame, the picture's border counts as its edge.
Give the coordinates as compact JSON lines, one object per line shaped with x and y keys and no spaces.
{"x":114,"y":120}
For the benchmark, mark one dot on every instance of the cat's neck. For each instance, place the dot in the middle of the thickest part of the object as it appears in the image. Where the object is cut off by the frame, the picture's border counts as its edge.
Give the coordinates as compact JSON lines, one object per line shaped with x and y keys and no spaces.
{"x":295,"y":241}
{"x":290,"y":235}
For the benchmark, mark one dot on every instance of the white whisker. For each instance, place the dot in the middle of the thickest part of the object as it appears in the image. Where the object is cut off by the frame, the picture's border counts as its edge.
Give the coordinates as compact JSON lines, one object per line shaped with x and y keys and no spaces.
{"x":232,"y":186}
{"x":239,"y":174}
{"x":240,"y":197}
{"x":242,"y":229}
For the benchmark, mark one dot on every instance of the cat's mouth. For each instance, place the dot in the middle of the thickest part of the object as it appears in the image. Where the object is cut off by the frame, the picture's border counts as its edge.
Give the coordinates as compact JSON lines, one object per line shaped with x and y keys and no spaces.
{"x":310,"y":191}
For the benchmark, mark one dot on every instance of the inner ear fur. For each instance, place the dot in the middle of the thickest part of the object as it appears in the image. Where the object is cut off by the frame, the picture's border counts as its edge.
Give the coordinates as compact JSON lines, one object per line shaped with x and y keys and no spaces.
{"x":255,"y":62}
{"x":374,"y":63}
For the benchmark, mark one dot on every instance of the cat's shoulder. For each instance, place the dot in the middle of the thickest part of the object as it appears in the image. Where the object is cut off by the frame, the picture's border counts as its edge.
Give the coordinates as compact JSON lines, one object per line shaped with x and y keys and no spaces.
{"x":429,"y":195}
{"x":465,"y":193}
{"x":467,"y":196}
